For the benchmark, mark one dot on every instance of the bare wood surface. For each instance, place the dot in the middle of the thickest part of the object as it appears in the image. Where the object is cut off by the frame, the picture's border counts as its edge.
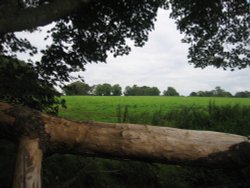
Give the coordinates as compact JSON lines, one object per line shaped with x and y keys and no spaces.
{"x":28,"y":164}
{"x":147,"y":143}
{"x":128,"y":141}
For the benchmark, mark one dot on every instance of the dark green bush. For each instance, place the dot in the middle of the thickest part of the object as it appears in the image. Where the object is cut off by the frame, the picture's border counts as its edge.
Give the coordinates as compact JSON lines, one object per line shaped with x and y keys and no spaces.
{"x":20,"y":84}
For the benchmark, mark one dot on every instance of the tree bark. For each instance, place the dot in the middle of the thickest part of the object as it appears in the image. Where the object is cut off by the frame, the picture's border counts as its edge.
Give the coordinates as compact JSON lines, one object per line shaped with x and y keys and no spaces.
{"x":127,"y":141}
{"x":148,"y":143}
{"x":28,"y":164}
{"x":14,"y":18}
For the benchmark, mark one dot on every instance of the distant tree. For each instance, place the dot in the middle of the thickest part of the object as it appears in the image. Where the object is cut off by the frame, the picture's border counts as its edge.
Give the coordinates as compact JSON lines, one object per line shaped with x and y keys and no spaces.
{"x":128,"y":91}
{"x":193,"y":94}
{"x":227,"y":94}
{"x":141,"y":91}
{"x":137,"y":91}
{"x":154,"y":91}
{"x":243,"y":94}
{"x":201,"y":93}
{"x":116,"y":90}
{"x":170,"y":92}
{"x":98,"y":90}
{"x":219,"y":92}
{"x":107,"y":89}
{"x":77,"y":88}
{"x":205,"y":93}
{"x":103,"y":89}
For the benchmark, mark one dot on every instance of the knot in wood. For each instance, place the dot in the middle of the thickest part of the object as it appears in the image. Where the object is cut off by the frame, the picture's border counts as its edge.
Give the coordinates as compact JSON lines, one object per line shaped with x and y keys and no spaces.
{"x":131,"y":135}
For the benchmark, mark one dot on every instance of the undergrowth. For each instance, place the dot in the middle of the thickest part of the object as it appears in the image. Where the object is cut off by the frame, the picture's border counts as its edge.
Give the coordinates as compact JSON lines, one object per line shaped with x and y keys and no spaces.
{"x":224,"y":118}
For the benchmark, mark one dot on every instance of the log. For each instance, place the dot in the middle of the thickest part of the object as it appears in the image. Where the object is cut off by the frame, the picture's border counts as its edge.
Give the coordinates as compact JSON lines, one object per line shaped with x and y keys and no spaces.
{"x":28,"y":164}
{"x":128,"y":141}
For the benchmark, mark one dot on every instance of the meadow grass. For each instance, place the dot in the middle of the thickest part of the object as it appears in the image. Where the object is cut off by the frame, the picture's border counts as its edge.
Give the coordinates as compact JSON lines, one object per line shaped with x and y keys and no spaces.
{"x":231,"y":115}
{"x":105,"y":108}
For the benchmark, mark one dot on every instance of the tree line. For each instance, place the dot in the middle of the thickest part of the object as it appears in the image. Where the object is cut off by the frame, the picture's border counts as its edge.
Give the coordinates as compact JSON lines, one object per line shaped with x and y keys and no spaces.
{"x":106,"y":89}
{"x":219,"y":92}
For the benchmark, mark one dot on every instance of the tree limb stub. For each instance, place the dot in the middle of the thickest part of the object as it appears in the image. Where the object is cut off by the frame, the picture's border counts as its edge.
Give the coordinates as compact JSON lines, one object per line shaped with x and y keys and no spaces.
{"x":138,"y":142}
{"x":19,"y":19}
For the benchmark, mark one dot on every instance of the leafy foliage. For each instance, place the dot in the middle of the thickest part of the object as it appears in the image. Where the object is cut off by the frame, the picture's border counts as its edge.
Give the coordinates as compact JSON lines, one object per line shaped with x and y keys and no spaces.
{"x":107,"y":90}
{"x":170,"y":92}
{"x":20,"y":84}
{"x":141,"y":91}
{"x":243,"y":94}
{"x":217,"y":92}
{"x":103,"y":89}
{"x":85,"y":35}
{"x":77,"y":88}
{"x":218,"y":31}
{"x":89,"y":34}
{"x":116,"y":90}
{"x":10,"y":45}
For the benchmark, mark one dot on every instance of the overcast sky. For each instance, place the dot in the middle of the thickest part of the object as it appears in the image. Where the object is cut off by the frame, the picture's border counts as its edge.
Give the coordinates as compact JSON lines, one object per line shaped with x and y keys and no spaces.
{"x":162,"y":62}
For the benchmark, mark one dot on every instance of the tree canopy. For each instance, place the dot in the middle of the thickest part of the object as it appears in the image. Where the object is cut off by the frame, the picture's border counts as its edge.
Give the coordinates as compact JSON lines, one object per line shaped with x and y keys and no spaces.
{"x":103,"y":89}
{"x":77,"y":88}
{"x":83,"y":31}
{"x":171,"y":91}
{"x":116,"y":90}
{"x":86,"y":31}
{"x":141,"y":91}
{"x":243,"y":94}
{"x":20,"y":84}
{"x":216,"y":92}
{"x":217,"y":31}
{"x":107,"y":90}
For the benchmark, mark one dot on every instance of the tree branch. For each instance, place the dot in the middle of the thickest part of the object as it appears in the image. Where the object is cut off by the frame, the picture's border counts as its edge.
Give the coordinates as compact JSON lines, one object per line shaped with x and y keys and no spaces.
{"x":13,"y":20}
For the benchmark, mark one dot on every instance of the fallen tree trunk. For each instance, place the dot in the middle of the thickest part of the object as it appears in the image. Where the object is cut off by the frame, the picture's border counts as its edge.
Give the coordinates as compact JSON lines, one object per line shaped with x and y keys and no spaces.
{"x":126,"y":141}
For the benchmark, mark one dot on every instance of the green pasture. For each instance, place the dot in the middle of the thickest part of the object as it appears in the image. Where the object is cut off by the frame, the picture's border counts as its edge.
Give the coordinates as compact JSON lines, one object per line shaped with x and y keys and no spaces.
{"x":105,"y":108}
{"x":230,"y":115}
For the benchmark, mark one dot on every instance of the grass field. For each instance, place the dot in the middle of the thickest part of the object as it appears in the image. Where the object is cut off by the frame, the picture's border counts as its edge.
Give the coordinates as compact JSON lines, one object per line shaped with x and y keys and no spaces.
{"x":88,"y":108}
{"x":230,"y":115}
